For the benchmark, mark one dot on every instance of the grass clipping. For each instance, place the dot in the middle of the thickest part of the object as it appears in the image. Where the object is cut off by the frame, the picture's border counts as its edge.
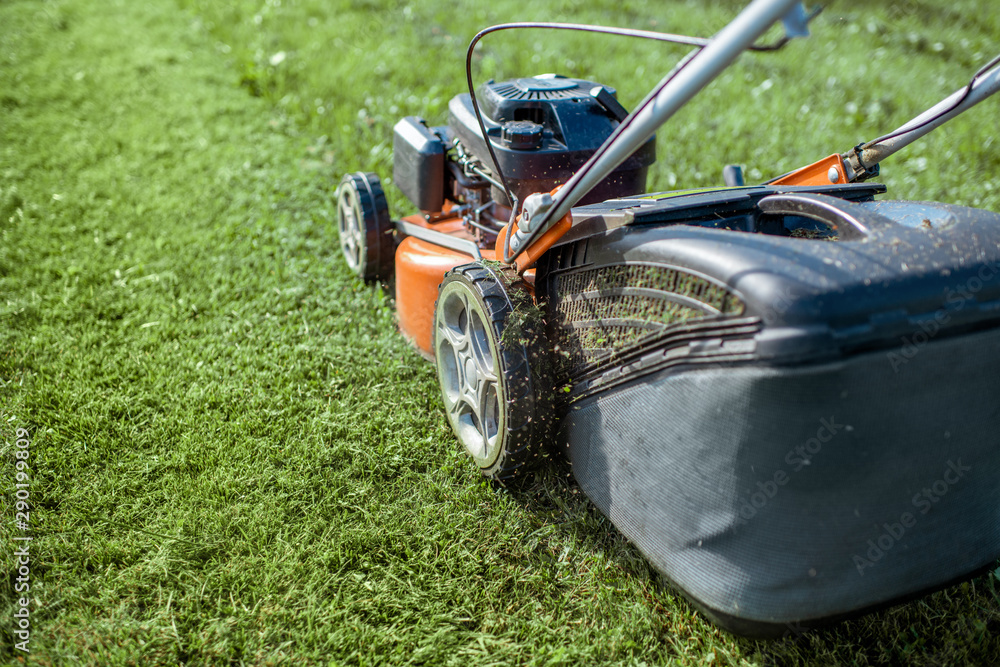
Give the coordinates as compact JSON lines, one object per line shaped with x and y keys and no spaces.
{"x":525,"y":325}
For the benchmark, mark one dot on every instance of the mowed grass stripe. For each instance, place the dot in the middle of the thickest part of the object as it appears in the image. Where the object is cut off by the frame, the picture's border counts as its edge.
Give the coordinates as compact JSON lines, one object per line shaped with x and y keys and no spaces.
{"x":236,"y":458}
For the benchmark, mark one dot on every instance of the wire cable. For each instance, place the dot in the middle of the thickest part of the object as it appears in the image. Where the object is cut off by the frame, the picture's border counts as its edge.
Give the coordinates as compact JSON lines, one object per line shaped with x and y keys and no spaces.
{"x":579,"y":27}
{"x":622,"y":127}
{"x":697,"y":42}
{"x":927,"y":121}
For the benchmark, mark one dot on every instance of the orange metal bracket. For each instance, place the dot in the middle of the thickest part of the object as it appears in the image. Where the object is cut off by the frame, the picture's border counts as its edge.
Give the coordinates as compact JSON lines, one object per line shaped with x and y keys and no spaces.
{"x":530,"y":255}
{"x":527,"y":258}
{"x":817,"y":173}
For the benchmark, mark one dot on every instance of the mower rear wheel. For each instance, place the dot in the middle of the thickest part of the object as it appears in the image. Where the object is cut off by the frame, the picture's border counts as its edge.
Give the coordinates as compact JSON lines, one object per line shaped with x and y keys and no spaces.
{"x":364,"y":226}
{"x":494,"y":403}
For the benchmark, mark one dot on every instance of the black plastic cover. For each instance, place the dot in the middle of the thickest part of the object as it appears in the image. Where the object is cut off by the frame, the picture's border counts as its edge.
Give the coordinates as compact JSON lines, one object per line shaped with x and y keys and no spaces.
{"x":786,"y":397}
{"x":418,"y":158}
{"x":787,"y":496}
{"x":573,"y":125}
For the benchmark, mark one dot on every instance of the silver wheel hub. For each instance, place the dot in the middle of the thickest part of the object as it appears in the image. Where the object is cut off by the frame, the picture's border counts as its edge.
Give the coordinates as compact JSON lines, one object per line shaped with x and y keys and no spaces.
{"x":349,"y":225}
{"x":466,"y":359}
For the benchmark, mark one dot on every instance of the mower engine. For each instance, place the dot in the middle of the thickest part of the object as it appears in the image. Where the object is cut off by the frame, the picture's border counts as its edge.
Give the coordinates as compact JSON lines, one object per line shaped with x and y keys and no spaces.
{"x":692,"y":353}
{"x":541,"y":129}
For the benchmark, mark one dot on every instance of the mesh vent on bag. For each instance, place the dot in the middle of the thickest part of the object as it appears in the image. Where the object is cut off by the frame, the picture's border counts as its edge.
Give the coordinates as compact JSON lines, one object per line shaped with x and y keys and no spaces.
{"x":605,"y":311}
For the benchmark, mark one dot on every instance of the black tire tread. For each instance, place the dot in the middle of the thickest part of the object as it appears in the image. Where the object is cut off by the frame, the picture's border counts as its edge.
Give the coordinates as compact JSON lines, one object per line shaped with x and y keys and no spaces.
{"x":527,"y":420}
{"x":380,"y":248}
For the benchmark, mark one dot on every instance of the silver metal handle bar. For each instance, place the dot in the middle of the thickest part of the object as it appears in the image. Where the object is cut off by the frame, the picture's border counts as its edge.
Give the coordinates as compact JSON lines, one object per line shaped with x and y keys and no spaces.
{"x":675,"y":90}
{"x":867,"y":156}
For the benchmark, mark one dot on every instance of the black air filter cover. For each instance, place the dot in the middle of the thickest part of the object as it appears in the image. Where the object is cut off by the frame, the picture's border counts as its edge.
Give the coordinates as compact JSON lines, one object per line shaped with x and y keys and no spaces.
{"x":542,"y":130}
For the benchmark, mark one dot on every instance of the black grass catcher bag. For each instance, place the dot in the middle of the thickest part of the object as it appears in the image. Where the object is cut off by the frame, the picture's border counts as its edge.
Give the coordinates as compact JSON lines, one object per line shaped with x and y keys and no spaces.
{"x":793,"y":425}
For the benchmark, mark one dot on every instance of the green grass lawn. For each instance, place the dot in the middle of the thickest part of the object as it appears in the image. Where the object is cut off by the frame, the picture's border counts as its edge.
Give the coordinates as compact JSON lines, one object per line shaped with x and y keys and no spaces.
{"x":234,"y":457}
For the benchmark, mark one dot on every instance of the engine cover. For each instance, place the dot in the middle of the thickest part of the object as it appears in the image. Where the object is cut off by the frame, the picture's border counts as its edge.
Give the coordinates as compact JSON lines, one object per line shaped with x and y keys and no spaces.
{"x":543,"y":129}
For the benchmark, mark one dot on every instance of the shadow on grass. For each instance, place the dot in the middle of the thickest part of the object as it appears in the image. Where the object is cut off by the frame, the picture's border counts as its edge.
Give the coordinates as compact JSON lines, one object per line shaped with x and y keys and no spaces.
{"x":957,"y":625}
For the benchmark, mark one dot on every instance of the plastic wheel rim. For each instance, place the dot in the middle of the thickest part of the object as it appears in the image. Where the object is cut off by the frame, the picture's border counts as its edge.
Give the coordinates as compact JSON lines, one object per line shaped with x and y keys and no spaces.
{"x":466,"y":353}
{"x":350,"y":225}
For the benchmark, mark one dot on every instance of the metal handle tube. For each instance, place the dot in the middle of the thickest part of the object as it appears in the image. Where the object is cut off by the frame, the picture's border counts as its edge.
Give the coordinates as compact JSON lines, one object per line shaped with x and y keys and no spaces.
{"x":976,"y":92}
{"x":678,"y":88}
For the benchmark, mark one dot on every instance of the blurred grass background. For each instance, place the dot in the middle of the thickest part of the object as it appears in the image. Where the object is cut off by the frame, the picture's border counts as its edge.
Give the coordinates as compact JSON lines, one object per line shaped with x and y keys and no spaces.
{"x":351,"y":70}
{"x":235,"y":457}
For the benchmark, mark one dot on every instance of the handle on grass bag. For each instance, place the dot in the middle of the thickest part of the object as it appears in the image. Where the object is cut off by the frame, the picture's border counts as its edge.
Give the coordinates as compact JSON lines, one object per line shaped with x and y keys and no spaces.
{"x":852,"y":222}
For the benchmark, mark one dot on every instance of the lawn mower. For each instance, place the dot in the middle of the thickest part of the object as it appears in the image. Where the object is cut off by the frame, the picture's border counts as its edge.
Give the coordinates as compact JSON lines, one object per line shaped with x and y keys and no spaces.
{"x":785,"y":394}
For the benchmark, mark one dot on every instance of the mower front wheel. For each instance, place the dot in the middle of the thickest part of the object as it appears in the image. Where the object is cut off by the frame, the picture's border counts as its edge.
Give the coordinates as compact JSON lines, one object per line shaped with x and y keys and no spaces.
{"x":494,"y":402}
{"x":364,"y":226}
